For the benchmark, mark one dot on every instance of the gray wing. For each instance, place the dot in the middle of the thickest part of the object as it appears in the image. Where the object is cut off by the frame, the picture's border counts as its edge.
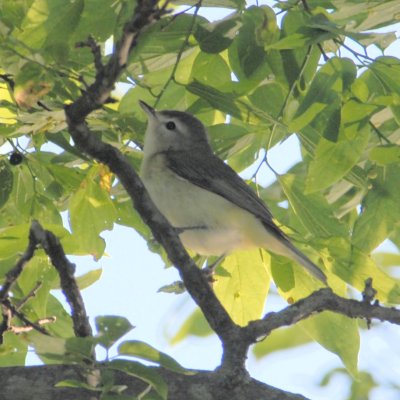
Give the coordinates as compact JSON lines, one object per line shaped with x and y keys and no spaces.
{"x":212,"y":174}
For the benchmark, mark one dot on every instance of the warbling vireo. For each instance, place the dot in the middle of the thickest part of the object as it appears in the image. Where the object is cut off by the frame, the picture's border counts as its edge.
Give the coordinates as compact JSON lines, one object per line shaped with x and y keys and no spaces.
{"x":214,"y":209}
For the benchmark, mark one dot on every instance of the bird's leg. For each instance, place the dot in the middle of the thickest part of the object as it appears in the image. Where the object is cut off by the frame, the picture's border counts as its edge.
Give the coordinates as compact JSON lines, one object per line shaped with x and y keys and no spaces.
{"x":209,"y":270}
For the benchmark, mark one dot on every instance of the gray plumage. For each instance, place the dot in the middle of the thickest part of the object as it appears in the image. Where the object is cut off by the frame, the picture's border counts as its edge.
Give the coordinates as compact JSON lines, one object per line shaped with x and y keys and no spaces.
{"x":180,"y":168}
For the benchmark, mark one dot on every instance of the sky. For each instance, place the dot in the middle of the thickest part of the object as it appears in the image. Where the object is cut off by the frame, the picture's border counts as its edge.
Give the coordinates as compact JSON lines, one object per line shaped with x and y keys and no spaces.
{"x":129,"y":287}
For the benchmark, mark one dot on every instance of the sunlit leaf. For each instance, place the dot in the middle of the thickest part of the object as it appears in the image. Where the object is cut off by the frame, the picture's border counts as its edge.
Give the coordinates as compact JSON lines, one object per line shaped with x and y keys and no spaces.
{"x":92,"y":207}
{"x":338,"y":334}
{"x":243,"y":287}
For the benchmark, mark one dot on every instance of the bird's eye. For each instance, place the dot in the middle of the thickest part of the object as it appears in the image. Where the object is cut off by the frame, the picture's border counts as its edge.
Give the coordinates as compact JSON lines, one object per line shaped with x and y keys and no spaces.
{"x":170,"y":125}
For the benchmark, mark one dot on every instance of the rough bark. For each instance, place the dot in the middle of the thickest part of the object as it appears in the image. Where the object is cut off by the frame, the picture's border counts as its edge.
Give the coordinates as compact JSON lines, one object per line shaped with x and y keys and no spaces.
{"x":38,"y":383}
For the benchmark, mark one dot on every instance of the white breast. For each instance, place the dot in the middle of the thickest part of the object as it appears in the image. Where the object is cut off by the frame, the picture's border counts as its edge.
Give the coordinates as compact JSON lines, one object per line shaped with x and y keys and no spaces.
{"x":213,"y":224}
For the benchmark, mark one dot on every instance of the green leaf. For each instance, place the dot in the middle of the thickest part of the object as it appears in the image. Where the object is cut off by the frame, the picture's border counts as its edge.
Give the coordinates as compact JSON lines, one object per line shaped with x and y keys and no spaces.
{"x":333,"y":160}
{"x":89,"y":278}
{"x":321,"y":107}
{"x":13,"y":240}
{"x":49,"y":23}
{"x":55,"y":350}
{"x":129,"y":104}
{"x":142,"y":372}
{"x":135,"y":348}
{"x":211,"y":69}
{"x":91,"y":211}
{"x":13,"y":350}
{"x":220,"y":100}
{"x":23,"y":191}
{"x":386,"y":154}
{"x":110,"y":329}
{"x":98,"y":19}
{"x":51,"y":350}
{"x":243,"y":287}
{"x":386,"y":259}
{"x":270,"y":96}
{"x":382,"y":40}
{"x":62,"y":327}
{"x":128,"y":216}
{"x":195,"y":325}
{"x":380,"y":209}
{"x":338,"y":334}
{"x":355,"y":266}
{"x":387,"y":70}
{"x":281,"y":339}
{"x":79,"y":348}
{"x":74,"y":383}
{"x":297,"y":67}
{"x":163,"y":37}
{"x":367,"y":16}
{"x":6,"y":179}
{"x":176,"y":287}
{"x":214,"y":37}
{"x":224,"y":136}
{"x":247,"y":55}
{"x":38,"y":270}
{"x":313,"y":211}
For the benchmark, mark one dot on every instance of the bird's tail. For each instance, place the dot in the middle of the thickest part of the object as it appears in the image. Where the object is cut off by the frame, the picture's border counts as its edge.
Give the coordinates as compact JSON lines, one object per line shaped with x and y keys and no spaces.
{"x":302,"y":259}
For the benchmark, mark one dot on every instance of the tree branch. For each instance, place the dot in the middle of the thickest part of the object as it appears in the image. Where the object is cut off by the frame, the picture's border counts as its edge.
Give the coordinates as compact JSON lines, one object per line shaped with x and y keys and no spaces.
{"x":145,"y":13}
{"x":53,"y":248}
{"x":322,"y":300}
{"x":39,"y":382}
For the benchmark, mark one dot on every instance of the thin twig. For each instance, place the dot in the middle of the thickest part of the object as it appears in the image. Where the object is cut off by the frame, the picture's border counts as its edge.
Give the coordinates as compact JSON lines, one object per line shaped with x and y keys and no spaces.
{"x":179,"y":55}
{"x":95,"y":49}
{"x":28,"y":328}
{"x":321,"y":49}
{"x":15,"y":272}
{"x":23,"y":318}
{"x":53,"y":248}
{"x":31,"y":294}
{"x":380,"y":135}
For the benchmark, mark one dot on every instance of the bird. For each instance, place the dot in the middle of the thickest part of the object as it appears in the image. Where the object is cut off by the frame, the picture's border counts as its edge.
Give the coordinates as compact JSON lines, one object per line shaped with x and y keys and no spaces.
{"x":210,"y":205}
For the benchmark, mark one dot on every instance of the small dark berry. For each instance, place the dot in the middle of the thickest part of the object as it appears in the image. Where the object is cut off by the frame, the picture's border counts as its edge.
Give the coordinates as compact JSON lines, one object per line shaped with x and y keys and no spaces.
{"x":16,"y":158}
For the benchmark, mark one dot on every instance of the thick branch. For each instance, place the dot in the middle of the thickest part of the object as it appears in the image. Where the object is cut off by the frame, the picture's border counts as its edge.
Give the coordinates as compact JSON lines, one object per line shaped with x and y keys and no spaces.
{"x":97,"y":94}
{"x":38,"y":383}
{"x":322,"y":300}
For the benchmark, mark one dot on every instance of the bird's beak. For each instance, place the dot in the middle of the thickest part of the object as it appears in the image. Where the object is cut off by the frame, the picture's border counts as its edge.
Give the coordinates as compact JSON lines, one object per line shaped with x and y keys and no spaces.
{"x":150,"y":111}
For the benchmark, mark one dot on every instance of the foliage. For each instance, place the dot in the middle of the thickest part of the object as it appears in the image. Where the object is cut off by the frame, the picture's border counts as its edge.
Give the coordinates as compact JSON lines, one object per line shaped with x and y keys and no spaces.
{"x":255,"y":77}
